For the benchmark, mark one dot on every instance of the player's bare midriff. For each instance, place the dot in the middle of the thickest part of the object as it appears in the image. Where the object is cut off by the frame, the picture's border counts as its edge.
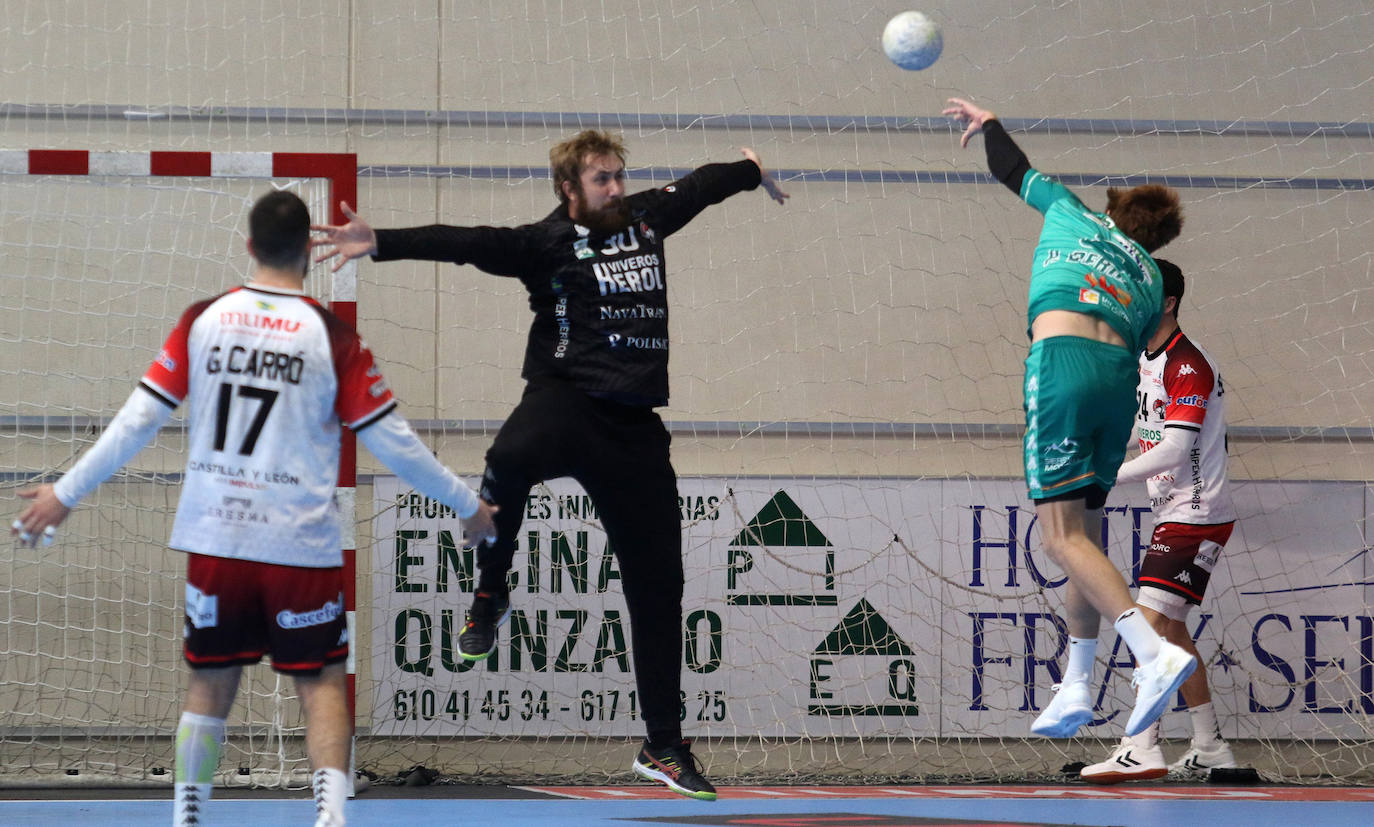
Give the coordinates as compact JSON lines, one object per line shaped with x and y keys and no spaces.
{"x":1068,"y":323}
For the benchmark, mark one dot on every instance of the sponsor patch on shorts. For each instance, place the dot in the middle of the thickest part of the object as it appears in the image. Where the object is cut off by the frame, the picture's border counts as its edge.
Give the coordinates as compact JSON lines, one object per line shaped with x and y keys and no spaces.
{"x":202,"y":609}
{"x":330,"y":611}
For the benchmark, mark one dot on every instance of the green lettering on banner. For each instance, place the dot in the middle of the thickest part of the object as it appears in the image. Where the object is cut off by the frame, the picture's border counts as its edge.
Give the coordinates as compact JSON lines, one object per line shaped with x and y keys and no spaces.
{"x":564,"y":662}
{"x":714,"y":637}
{"x":738,"y":561}
{"x":454,"y":560}
{"x":608,"y":571}
{"x":424,"y":647}
{"x":531,"y":565}
{"x":404,"y":561}
{"x":818,"y":677}
{"x":610,"y":643}
{"x":571,"y":557}
{"x":535,"y":641}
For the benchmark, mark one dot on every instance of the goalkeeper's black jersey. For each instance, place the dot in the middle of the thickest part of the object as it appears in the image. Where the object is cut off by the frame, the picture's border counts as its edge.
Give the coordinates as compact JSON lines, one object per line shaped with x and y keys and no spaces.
{"x":600,"y":302}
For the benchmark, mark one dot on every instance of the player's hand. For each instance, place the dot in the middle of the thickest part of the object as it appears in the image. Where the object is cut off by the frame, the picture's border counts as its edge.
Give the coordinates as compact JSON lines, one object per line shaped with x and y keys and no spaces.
{"x":769,"y":184}
{"x":964,"y":112}
{"x":41,"y":517}
{"x":348,"y":241}
{"x":481,"y":526}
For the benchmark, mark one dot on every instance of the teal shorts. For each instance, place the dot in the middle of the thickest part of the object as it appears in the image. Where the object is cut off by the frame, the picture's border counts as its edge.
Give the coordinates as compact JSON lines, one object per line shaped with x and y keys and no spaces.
{"x":1080,"y":408}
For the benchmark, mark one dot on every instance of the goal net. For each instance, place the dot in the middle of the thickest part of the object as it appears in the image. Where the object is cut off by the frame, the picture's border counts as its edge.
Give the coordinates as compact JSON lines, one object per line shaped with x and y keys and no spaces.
{"x":102,"y":251}
{"x":867,"y":598}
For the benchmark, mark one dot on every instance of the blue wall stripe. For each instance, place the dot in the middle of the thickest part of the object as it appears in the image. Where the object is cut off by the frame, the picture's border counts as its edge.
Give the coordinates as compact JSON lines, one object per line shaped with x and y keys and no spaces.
{"x":883,"y":176}
{"x":677,"y":122}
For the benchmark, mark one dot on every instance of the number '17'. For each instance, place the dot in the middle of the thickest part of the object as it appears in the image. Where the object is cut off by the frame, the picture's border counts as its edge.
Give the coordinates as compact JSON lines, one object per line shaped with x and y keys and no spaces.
{"x":266,"y":399}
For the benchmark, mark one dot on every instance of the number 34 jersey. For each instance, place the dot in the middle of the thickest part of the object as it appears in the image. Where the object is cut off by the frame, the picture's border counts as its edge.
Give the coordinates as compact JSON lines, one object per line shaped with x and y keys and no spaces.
{"x":269,"y":374}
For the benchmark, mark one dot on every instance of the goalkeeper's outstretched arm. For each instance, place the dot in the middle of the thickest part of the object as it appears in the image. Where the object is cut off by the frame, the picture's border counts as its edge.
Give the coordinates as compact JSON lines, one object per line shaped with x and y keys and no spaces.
{"x":132,"y":428}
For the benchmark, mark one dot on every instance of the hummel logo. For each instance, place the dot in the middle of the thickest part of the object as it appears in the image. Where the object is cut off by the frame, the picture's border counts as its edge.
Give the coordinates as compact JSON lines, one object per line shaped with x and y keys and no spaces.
{"x":1125,"y":760}
{"x":1186,"y":370}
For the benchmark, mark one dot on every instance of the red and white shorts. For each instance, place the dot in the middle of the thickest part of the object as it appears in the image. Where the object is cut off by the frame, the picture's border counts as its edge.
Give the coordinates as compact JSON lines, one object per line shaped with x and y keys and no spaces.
{"x":1178,"y":566}
{"x":239,"y":610}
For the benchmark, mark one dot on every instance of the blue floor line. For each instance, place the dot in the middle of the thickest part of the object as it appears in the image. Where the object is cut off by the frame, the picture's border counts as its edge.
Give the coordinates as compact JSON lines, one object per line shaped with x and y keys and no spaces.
{"x":506,"y":813}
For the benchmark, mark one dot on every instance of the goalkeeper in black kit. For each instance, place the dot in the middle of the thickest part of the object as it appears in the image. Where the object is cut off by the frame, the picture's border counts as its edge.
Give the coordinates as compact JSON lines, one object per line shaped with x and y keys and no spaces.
{"x":596,"y":367}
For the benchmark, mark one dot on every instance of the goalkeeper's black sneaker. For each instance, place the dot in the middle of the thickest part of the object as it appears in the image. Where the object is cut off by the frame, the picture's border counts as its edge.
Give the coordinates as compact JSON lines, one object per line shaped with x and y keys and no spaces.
{"x":478,"y":638}
{"x":676,"y":767}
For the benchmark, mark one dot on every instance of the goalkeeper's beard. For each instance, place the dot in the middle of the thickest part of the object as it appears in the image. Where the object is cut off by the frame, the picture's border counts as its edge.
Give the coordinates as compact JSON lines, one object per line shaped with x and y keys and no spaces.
{"x":611,"y":218}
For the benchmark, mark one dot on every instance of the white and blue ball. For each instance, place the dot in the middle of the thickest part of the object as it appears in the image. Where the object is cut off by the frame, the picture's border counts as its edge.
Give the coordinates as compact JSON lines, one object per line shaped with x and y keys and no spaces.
{"x":912,"y":40}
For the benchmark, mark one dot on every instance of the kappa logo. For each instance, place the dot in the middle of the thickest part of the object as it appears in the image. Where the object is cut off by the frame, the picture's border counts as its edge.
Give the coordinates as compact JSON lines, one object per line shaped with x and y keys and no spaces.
{"x":1186,"y":370}
{"x":1184,"y":577}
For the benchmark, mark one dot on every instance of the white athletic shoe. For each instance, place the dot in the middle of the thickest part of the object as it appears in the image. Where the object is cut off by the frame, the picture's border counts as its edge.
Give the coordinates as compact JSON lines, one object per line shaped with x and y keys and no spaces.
{"x":1156,"y":684}
{"x":1070,"y":708}
{"x":1199,"y":761}
{"x":1128,"y":763}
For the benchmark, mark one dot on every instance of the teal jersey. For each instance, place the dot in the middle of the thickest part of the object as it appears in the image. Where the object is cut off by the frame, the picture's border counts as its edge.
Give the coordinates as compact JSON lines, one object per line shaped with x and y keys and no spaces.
{"x":1083,"y":263}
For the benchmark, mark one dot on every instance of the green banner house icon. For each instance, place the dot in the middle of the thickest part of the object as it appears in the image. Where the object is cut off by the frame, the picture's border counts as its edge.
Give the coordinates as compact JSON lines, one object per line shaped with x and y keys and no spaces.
{"x":777,"y":535}
{"x":863,"y":633}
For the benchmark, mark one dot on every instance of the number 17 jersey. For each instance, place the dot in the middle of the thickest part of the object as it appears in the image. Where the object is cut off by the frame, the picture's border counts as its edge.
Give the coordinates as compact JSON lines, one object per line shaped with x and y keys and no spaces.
{"x":269,"y":374}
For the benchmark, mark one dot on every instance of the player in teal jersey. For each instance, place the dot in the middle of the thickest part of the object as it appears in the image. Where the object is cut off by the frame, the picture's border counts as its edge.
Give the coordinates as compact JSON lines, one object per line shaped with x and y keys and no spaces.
{"x":1095,"y":298}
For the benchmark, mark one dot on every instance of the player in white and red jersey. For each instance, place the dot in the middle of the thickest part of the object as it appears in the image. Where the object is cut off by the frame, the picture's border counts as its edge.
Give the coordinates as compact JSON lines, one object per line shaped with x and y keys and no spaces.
{"x":269,"y":374}
{"x":1181,"y":427}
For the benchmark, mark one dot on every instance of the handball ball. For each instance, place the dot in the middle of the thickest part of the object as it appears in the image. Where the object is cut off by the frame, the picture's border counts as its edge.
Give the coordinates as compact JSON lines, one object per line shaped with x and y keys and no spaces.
{"x":912,"y":40}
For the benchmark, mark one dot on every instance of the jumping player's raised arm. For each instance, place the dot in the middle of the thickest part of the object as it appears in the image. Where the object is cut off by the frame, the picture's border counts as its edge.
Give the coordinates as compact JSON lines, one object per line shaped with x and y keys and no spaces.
{"x":1006,"y":161}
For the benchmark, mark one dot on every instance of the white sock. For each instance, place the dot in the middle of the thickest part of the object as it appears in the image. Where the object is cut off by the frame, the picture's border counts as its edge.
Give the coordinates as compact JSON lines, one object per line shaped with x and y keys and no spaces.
{"x":1147,"y":738}
{"x":331,"y":791}
{"x":199,"y":739}
{"x":189,"y":805}
{"x":1140,"y":636}
{"x":1206,"y":731}
{"x":1082,"y":651}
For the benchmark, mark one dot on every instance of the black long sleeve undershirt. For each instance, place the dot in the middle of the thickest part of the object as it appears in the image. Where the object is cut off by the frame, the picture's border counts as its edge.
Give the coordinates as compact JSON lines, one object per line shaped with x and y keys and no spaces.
{"x":1005,"y":159}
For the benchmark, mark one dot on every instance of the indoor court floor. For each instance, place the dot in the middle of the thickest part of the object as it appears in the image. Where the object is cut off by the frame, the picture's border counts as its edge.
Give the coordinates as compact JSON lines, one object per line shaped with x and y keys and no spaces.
{"x":890,"y":806}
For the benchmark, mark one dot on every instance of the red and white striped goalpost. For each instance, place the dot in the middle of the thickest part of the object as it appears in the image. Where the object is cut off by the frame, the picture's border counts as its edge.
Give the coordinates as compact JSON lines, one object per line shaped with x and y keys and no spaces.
{"x":340,"y":171}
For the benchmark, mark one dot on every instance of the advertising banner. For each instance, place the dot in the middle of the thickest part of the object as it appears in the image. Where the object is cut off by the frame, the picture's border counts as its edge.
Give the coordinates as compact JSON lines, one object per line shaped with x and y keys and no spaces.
{"x":855,"y":607}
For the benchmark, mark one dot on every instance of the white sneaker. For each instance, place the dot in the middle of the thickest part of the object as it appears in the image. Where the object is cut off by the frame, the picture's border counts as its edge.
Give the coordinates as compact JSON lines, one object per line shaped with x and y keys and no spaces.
{"x":1156,"y":684}
{"x":1070,"y":708}
{"x":1199,"y":761}
{"x":1128,"y":763}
